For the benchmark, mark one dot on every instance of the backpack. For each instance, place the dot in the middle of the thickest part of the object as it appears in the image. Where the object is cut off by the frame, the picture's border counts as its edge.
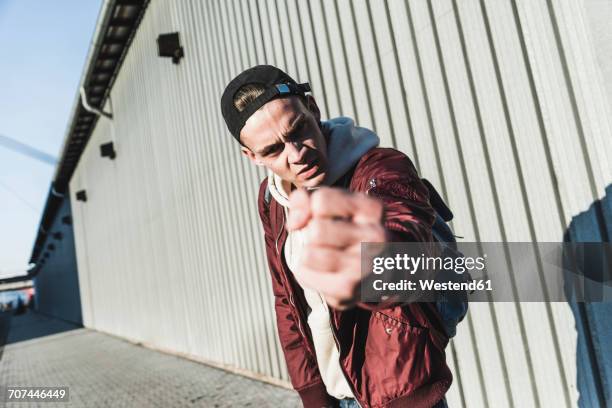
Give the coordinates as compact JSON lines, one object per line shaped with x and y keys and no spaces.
{"x":452,"y":310}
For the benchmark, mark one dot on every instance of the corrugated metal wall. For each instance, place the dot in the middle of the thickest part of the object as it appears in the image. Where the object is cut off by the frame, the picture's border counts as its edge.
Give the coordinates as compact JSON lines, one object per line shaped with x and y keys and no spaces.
{"x":498,"y":102}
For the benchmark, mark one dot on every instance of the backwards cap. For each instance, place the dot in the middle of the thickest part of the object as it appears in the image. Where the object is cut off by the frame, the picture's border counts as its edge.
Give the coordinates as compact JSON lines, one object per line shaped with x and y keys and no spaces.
{"x":276,"y":83}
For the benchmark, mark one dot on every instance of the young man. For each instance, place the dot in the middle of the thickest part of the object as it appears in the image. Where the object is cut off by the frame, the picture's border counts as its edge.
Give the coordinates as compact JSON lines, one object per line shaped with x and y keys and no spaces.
{"x":329,"y":188}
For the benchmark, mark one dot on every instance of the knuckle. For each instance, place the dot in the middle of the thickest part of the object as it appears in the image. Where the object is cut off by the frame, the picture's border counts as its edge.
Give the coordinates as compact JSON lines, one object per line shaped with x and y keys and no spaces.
{"x":325,"y":261}
{"x":332,"y":263}
{"x":316,"y":230}
{"x":317,"y":201}
{"x":320,"y":198}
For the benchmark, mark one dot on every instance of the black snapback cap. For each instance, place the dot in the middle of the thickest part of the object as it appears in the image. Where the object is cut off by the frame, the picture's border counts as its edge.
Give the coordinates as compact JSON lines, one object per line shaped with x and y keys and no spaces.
{"x":277,"y":84}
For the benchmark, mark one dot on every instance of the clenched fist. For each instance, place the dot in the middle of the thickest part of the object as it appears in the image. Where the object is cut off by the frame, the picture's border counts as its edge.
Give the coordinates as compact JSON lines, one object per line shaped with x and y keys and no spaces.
{"x":335,"y":223}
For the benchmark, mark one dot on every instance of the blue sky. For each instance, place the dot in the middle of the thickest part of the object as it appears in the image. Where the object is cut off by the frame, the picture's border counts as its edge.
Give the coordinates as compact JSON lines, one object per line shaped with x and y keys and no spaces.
{"x":43,"y":46}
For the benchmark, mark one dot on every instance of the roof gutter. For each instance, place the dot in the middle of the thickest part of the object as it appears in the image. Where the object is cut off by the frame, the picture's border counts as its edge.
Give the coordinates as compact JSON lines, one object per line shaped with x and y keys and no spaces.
{"x":96,"y":42}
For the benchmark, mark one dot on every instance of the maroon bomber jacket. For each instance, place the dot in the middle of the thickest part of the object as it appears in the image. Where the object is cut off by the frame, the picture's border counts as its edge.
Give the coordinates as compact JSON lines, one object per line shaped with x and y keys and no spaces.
{"x":392,"y":354}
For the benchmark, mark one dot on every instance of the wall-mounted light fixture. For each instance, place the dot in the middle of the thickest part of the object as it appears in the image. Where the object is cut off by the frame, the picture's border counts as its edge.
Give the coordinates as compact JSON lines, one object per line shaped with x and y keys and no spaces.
{"x":81,"y":195}
{"x":67,"y":220}
{"x":169,"y":45}
{"x":108,"y":150}
{"x":51,"y":247}
{"x":58,"y":235}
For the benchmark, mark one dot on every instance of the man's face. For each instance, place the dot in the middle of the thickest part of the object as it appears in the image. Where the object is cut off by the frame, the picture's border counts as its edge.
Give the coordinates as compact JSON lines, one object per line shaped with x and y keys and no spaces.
{"x":284,"y":136}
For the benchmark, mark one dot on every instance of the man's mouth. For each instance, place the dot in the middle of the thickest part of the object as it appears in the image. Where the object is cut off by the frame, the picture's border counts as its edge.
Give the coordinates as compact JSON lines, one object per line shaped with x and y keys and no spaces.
{"x":309,"y":169}
{"x":309,"y":172}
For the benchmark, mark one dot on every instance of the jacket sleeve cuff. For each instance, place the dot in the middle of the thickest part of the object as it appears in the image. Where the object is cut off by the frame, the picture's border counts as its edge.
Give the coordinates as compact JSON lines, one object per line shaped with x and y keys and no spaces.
{"x":316,"y":396}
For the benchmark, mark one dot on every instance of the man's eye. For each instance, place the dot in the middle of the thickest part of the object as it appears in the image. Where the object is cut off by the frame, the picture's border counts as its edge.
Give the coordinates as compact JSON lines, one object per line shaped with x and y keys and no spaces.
{"x":296,"y":133}
{"x":274,"y":149}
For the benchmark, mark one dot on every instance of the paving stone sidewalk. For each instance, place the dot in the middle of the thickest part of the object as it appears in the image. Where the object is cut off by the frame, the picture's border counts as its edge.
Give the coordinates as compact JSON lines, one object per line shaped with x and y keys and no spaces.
{"x":105,"y":371}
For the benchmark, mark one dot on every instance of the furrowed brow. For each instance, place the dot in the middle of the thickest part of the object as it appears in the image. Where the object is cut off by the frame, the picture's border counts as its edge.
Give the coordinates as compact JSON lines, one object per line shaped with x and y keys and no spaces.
{"x":295,"y":124}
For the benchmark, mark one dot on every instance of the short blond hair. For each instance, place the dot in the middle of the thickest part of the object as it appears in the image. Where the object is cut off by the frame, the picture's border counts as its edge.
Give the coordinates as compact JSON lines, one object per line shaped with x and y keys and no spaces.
{"x":247,"y":94}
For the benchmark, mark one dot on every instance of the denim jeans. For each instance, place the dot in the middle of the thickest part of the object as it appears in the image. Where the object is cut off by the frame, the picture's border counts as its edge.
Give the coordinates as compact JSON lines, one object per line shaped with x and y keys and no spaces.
{"x":351,"y":403}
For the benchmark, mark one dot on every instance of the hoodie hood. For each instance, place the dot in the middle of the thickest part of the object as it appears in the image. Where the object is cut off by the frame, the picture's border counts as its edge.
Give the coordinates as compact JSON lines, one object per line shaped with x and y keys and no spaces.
{"x":346,"y":144}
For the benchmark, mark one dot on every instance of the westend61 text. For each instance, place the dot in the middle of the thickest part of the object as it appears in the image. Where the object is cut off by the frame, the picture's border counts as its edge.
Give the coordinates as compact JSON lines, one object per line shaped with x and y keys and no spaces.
{"x":431,"y":284}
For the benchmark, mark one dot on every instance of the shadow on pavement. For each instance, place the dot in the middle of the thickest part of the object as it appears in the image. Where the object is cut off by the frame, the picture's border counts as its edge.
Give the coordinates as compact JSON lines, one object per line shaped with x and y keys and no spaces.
{"x":29,"y":325}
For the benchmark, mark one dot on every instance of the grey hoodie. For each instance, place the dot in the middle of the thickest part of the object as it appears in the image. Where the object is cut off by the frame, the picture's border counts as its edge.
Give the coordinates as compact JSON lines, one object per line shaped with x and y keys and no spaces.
{"x":347,"y":143}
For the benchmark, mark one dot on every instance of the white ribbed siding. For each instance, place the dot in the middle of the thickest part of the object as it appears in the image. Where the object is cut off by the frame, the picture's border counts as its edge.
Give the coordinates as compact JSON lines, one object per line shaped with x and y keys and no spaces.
{"x":499,"y":103}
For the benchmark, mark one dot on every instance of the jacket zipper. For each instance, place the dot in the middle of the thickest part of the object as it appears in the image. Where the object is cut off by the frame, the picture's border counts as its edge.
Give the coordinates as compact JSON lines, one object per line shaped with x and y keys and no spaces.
{"x":288,"y":289}
{"x":346,"y":377}
{"x":280,"y":232}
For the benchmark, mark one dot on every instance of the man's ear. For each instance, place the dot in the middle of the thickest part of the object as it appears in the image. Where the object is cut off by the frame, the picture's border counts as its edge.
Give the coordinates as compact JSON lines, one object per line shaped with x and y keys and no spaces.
{"x":248,"y":153}
{"x":312,"y":106}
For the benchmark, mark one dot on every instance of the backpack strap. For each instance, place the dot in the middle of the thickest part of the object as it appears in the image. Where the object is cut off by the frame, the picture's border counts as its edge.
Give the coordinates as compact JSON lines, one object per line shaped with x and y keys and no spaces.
{"x":437,"y":202}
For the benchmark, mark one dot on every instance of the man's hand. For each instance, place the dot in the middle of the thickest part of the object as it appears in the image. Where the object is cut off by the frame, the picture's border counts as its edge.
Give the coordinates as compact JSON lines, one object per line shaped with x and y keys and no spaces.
{"x":335,"y":222}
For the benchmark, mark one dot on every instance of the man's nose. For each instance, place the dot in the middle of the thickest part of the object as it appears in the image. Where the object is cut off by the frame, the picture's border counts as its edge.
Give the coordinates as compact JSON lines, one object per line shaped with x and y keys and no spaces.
{"x":296,"y":152}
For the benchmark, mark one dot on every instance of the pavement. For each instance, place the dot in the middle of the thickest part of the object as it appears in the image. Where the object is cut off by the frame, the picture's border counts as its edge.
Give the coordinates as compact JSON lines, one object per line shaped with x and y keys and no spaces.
{"x":105,"y":371}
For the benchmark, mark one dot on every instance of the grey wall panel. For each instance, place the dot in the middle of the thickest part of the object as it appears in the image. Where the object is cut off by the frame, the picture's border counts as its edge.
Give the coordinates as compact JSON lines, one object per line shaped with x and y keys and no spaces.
{"x":598,"y":14}
{"x":499,"y":103}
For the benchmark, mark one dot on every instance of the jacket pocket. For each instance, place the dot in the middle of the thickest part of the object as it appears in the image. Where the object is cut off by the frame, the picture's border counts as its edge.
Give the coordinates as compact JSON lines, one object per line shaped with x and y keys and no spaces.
{"x":392,"y":323}
{"x":396,"y":358}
